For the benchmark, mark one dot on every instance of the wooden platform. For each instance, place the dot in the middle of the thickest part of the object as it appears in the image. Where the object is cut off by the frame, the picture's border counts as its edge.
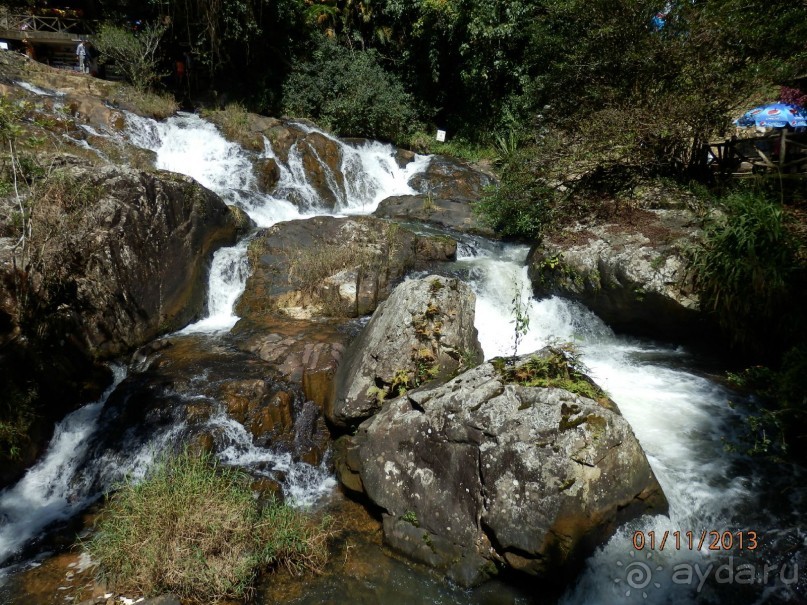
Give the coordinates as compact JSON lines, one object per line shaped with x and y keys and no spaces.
{"x":41,"y":28}
{"x":780,"y":152}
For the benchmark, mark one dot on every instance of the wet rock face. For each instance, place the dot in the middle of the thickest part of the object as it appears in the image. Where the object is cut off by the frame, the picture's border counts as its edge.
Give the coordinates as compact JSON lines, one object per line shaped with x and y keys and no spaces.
{"x":303,"y":352}
{"x":478,"y":473}
{"x":140,"y":267}
{"x":446,"y":179}
{"x":330,"y":267}
{"x":633,"y":276}
{"x":456,"y":214}
{"x":446,"y":190}
{"x":192,"y":392}
{"x":423,"y":333}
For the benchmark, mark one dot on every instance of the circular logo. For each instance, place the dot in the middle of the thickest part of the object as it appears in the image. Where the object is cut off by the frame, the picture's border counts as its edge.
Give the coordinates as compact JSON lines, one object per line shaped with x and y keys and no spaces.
{"x":635,"y":576}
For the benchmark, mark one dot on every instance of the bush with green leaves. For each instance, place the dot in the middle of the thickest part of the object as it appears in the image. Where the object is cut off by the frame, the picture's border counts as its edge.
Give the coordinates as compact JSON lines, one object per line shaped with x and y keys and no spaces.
{"x":193,"y":528}
{"x":775,"y":426}
{"x":520,"y":206}
{"x":350,"y":92}
{"x":135,"y":53}
{"x":745,"y":271}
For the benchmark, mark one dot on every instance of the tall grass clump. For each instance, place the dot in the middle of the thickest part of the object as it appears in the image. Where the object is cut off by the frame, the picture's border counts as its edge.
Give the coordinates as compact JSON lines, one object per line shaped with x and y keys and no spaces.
{"x":744,"y":270}
{"x":193,"y":528}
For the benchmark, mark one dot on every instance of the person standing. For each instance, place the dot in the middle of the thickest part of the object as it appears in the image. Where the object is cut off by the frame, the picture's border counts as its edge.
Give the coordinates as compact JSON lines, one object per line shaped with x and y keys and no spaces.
{"x":81,"y":53}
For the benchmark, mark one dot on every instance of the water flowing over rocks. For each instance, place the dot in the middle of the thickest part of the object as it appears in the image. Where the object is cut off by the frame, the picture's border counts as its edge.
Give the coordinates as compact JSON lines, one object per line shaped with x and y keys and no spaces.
{"x":109,"y":275}
{"x":422,"y":334}
{"x":632,"y":275}
{"x":139,"y":268}
{"x":476,"y":474}
{"x":446,"y":190}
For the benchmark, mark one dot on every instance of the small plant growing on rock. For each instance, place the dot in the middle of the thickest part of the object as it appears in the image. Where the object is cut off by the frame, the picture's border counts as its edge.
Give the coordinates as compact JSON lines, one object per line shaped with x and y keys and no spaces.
{"x":411,"y":517}
{"x":520,"y":321}
{"x":562,"y":368}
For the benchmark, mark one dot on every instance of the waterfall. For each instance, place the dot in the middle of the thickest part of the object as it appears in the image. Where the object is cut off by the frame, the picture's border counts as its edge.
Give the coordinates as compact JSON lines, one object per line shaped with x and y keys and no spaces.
{"x":678,"y":416}
{"x":52,"y":489}
{"x":189,"y":145}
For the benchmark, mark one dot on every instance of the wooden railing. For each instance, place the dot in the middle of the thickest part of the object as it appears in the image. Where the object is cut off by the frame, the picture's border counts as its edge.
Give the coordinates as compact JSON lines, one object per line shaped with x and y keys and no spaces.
{"x":19,"y":25}
{"x":781,"y":152}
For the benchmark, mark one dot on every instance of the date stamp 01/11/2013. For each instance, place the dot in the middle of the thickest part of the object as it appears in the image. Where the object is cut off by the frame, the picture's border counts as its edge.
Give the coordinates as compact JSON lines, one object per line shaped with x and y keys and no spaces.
{"x":691,"y":540}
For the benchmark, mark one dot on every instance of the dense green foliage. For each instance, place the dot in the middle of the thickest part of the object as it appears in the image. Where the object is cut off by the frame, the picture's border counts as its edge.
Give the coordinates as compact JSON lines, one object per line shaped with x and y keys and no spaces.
{"x":193,"y":528}
{"x":775,"y":425}
{"x":481,"y":67}
{"x":348,"y":91}
{"x":135,"y":54}
{"x":746,"y":270}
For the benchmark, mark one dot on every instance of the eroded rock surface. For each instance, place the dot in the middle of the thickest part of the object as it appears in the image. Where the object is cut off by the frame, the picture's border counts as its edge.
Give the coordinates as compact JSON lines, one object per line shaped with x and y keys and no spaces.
{"x":446,"y":192}
{"x":333,"y":267}
{"x":632,"y":274}
{"x":477,"y":473}
{"x":423,"y":333}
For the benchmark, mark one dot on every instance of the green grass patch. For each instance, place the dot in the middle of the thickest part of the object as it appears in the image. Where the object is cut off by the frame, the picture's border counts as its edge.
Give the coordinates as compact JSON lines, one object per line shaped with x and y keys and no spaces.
{"x":193,"y":528}
{"x":425,"y":143}
{"x":559,"y":368}
{"x":145,"y":102}
{"x":233,"y":121}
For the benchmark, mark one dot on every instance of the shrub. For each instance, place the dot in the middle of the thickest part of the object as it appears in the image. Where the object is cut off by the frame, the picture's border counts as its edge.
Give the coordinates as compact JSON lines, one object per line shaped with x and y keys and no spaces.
{"x":134,"y":53}
{"x":194,"y":529}
{"x":775,"y":426}
{"x":351,"y":93}
{"x":520,"y":205}
{"x":744,"y":268}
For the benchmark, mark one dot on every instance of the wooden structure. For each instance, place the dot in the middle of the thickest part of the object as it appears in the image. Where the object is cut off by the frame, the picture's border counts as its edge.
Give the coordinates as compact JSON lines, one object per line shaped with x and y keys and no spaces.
{"x":48,"y":35}
{"x":19,"y":25}
{"x":780,"y":152}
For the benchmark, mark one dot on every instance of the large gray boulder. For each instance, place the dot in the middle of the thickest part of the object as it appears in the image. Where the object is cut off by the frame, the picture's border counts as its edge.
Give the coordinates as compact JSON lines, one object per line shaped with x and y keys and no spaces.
{"x":632,"y":274}
{"x":483,"y":472}
{"x":423,"y":332}
{"x":333,"y":267}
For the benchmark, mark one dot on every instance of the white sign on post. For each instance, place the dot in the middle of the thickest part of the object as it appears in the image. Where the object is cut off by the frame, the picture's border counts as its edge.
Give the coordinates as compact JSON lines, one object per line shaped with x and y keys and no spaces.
{"x":441,"y":136}
{"x":3,"y":45}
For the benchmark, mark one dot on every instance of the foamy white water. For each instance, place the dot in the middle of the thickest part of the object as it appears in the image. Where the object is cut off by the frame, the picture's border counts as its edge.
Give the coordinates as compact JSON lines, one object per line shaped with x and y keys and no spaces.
{"x":228,"y":277}
{"x":678,"y":417}
{"x":189,"y":145}
{"x":48,"y":491}
{"x":303,"y":486}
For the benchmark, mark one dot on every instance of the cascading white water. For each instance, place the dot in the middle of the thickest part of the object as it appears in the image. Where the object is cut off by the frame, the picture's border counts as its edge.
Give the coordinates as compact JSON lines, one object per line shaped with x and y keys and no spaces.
{"x":303,"y":485}
{"x":50,"y":490}
{"x":189,"y":145}
{"x":678,"y":416}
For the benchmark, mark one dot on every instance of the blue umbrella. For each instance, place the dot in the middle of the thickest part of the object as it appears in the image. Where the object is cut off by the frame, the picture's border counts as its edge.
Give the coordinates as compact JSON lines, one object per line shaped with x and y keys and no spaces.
{"x":775,"y":115}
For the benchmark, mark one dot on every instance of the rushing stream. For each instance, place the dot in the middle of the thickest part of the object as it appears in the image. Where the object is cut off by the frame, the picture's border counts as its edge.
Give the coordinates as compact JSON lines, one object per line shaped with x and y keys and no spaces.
{"x":679,"y":415}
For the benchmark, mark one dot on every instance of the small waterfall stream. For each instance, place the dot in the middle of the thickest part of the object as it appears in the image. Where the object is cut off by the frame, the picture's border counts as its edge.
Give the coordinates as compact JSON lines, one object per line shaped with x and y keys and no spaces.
{"x":678,"y":415}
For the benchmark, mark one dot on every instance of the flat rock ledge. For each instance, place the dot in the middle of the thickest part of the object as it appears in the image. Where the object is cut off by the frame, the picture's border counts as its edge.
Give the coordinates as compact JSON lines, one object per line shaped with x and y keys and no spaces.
{"x":477,"y":475}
